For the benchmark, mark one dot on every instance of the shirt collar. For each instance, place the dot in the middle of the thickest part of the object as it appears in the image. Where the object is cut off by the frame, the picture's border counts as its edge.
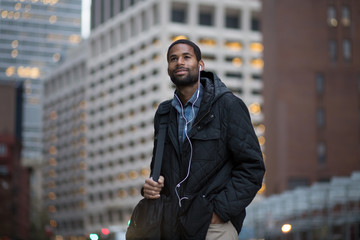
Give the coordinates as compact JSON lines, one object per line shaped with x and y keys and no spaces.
{"x":193,"y":98}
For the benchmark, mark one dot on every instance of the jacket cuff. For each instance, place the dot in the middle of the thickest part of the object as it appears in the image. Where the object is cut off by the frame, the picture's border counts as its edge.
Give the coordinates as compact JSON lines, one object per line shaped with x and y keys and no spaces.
{"x":142,"y":191}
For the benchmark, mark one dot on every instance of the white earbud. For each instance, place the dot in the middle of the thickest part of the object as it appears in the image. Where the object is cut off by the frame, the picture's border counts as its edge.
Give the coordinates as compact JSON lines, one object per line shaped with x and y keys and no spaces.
{"x":200,"y":68}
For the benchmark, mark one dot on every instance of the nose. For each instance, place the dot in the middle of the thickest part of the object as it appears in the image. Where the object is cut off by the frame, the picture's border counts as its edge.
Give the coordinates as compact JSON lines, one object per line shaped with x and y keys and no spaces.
{"x":181,"y":61}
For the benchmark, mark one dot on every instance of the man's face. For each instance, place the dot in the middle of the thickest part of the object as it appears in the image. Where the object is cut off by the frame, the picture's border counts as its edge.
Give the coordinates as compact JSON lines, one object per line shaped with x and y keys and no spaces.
{"x":183,"y":67}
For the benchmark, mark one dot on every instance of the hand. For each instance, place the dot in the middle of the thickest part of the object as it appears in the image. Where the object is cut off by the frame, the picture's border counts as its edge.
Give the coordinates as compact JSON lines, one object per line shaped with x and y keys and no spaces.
{"x":152,"y":189}
{"x":216,"y":219}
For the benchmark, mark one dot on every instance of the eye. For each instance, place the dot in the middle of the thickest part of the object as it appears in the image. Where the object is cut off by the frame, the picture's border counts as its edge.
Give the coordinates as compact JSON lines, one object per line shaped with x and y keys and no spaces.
{"x":172,"y":59}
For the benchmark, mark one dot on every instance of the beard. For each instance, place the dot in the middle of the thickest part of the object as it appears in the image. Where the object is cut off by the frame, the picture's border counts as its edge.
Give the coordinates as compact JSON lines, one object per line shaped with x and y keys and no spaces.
{"x":183,"y":81}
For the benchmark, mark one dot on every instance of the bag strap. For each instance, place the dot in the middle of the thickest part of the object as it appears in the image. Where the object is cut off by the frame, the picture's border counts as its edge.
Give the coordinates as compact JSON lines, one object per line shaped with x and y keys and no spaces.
{"x":160,"y":147}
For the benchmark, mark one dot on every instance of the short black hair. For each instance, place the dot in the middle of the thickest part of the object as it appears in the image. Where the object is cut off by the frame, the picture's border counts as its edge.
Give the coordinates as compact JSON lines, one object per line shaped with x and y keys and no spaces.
{"x":188,"y":42}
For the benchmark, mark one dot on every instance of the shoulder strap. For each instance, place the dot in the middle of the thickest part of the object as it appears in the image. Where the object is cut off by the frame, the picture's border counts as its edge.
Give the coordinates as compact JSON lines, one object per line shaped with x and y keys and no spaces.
{"x":160,"y":146}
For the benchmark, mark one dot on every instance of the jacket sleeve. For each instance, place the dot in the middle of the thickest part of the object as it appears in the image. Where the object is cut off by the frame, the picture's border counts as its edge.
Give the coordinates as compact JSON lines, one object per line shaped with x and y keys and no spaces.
{"x":248,"y":165}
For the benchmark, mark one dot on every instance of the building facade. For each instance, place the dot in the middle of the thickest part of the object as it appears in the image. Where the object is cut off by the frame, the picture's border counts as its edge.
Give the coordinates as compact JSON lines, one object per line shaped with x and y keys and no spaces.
{"x":311,"y":91}
{"x":126,"y":79}
{"x":64,"y":168}
{"x":14,"y":178}
{"x":322,"y":211}
{"x":34,"y":36}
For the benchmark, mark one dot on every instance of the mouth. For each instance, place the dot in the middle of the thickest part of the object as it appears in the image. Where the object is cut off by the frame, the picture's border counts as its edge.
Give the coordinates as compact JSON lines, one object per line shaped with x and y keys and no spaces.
{"x":181,"y":71}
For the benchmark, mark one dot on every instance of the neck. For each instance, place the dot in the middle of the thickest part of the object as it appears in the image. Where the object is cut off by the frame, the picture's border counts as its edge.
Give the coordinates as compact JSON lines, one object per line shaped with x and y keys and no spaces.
{"x":186,"y":92}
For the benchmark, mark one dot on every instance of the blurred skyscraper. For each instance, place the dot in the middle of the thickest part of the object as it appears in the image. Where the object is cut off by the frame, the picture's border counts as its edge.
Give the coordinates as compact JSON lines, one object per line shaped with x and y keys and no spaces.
{"x":311,"y":91}
{"x":14,"y":178}
{"x":100,"y":104}
{"x":34,"y":35}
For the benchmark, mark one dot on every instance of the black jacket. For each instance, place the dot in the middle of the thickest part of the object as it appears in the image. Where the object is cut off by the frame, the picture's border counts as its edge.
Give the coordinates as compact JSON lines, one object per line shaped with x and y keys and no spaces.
{"x":227,"y":168}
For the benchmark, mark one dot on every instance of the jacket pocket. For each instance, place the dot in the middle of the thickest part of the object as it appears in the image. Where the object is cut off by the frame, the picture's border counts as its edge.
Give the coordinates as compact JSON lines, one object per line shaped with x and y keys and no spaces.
{"x":195,"y":217}
{"x":206,"y":145}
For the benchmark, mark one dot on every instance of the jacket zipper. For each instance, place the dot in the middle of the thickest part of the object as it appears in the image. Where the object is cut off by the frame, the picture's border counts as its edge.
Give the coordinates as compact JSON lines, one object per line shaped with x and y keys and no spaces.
{"x":200,"y":119}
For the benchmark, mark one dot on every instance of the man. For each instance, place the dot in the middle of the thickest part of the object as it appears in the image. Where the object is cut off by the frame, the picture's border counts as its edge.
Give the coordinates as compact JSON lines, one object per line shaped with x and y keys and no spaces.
{"x":212,"y":162}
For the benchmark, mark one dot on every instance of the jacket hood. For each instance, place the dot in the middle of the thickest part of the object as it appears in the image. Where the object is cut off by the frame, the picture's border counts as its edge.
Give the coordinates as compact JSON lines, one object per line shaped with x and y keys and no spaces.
{"x":214,"y":87}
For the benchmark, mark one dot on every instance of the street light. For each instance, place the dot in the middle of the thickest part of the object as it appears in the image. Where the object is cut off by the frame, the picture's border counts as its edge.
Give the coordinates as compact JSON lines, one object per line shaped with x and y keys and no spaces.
{"x":93,"y":236}
{"x":286,"y":228}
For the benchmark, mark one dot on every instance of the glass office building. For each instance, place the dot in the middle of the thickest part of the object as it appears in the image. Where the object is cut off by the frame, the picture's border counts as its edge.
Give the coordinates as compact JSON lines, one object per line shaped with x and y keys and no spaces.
{"x":34,"y":36}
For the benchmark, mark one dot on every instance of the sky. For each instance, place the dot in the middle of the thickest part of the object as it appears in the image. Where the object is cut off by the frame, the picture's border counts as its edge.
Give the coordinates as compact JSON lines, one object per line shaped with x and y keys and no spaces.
{"x":85,"y":18}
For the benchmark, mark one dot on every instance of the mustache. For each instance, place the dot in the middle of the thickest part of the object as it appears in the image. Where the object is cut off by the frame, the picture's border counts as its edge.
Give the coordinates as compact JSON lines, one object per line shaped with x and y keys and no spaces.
{"x":181,"y":68}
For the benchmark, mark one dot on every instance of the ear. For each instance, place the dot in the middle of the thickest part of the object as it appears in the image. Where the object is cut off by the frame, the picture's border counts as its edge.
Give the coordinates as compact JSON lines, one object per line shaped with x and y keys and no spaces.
{"x":201,"y":65}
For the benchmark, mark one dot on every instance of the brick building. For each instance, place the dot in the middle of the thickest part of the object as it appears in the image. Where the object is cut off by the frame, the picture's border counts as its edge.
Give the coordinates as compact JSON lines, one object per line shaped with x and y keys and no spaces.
{"x":311,"y":91}
{"x":14,"y":178}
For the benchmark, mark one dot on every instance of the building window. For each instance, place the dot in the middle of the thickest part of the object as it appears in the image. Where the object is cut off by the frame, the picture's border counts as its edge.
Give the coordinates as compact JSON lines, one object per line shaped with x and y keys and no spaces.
{"x":144,"y":22}
{"x":111,"y":8}
{"x":122,"y":7}
{"x":321,"y":153}
{"x":179,"y":13}
{"x":112,"y":39}
{"x":333,"y":50}
{"x":3,"y":150}
{"x":255,"y":21}
{"x":297,"y":182}
{"x":133,"y":27}
{"x":319,"y":83}
{"x":156,"y":14}
{"x":345,"y":16}
{"x":232,"y":19}
{"x":347,"y":49}
{"x":206,"y":16}
{"x":320,"y":116}
{"x":331,"y":16}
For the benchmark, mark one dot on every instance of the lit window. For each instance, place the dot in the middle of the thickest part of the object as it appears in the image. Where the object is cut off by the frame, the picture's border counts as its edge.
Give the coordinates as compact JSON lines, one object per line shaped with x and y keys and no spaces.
{"x":345,"y":16}
{"x":52,"y":19}
{"x":255,"y":108}
{"x":15,"y":44}
{"x":175,"y":38}
{"x":14,"y":53}
{"x":261,"y":140}
{"x":56,"y":57}
{"x":236,"y":46}
{"x":207,"y":41}
{"x":74,"y":38}
{"x":257,"y":63}
{"x":332,"y":21}
{"x":256,"y":47}
{"x":237,"y":62}
{"x":346,"y":49}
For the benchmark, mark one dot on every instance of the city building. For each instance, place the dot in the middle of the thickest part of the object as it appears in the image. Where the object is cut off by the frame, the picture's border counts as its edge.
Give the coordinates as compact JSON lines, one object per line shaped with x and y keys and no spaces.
{"x":125,"y":80}
{"x":321,"y":211}
{"x":311,"y":91}
{"x":64,"y":168}
{"x":34,"y":36}
{"x":14,"y":178}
